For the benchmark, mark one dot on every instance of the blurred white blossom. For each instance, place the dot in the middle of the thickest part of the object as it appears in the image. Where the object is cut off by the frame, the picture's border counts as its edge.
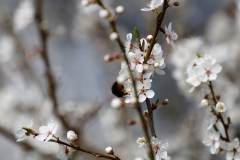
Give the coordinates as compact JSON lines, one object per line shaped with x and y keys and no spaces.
{"x":24,"y":15}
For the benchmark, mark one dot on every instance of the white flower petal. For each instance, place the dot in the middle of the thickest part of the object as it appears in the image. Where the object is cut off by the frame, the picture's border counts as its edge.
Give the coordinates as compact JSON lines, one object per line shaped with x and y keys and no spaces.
{"x":159,"y":71}
{"x":141,"y":98}
{"x":150,"y":93}
{"x":229,"y":155}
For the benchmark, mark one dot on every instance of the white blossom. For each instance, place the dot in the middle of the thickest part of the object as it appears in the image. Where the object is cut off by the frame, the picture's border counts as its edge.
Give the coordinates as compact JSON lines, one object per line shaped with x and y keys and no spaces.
{"x":144,"y":90}
{"x":159,"y":148}
{"x":136,"y":61}
{"x":171,"y":36}
{"x":233,"y":149}
{"x":24,"y":15}
{"x":21,"y":133}
{"x":153,"y":5}
{"x":195,"y":77}
{"x":220,"y":107}
{"x":212,"y":141}
{"x":141,"y":141}
{"x":46,"y":132}
{"x":211,"y":70}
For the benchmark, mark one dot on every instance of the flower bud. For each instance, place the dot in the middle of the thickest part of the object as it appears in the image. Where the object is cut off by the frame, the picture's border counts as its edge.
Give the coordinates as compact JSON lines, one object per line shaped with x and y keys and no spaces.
{"x":71,"y":135}
{"x":220,"y":107}
{"x":120,"y":79}
{"x":104,"y":13}
{"x":149,"y":38}
{"x":109,"y":150}
{"x":119,"y":9}
{"x":176,"y":3}
{"x":131,"y":122}
{"x":218,"y":97}
{"x":145,"y":113}
{"x":165,"y":102}
{"x":113,"y":36}
{"x":107,"y":58}
{"x":117,"y":103}
{"x":204,"y":103}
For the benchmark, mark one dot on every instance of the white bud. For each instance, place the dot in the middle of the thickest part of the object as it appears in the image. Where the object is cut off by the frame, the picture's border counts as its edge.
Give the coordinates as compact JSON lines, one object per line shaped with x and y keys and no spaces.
{"x":71,"y":135}
{"x":109,"y":150}
{"x":117,"y":103}
{"x":120,"y":79}
{"x":113,"y":36}
{"x":220,"y":107}
{"x":204,"y":103}
{"x":138,"y":158}
{"x":107,"y":57}
{"x":119,"y":9}
{"x":145,"y":113}
{"x":149,"y":38}
{"x":156,"y":65}
{"x":104,"y":13}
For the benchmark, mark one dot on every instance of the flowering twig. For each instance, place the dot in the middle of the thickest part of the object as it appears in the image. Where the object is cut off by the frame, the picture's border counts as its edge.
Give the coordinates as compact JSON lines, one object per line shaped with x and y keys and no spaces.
{"x":138,"y":106}
{"x":159,"y":21}
{"x":219,"y":115}
{"x":24,"y":145}
{"x":84,"y":150}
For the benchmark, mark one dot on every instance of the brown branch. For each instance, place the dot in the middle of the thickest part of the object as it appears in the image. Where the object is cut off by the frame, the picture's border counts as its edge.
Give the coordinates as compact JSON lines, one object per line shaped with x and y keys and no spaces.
{"x":150,"y":117}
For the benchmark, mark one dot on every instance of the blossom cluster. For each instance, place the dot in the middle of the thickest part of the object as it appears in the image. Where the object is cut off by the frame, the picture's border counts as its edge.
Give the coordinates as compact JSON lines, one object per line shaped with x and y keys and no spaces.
{"x":142,"y":72}
{"x":217,"y":145}
{"x":159,"y":147}
{"x":202,"y":69}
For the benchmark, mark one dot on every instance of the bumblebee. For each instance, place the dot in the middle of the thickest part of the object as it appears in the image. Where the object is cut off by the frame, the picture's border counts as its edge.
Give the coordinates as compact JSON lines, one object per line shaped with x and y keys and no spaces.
{"x":118,"y":90}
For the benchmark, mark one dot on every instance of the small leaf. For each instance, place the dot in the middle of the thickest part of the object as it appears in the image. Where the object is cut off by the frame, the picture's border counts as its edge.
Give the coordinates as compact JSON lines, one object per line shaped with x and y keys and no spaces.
{"x":136,"y":33}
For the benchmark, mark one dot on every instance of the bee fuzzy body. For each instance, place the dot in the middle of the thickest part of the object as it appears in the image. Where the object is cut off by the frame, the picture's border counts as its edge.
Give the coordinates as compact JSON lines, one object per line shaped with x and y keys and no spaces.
{"x":118,"y":89}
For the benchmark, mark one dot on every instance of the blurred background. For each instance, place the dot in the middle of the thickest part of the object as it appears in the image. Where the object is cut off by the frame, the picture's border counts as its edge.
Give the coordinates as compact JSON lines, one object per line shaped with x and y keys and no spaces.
{"x":77,"y":92}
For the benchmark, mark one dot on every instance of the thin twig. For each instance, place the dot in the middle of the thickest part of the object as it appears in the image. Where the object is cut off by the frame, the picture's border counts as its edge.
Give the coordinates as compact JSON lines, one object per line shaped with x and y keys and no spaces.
{"x":86,"y":151}
{"x":150,"y":117}
{"x":52,"y":89}
{"x":219,"y":115}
